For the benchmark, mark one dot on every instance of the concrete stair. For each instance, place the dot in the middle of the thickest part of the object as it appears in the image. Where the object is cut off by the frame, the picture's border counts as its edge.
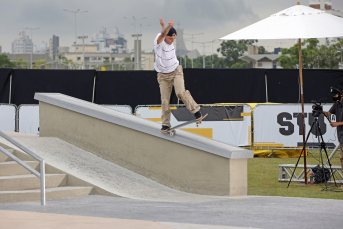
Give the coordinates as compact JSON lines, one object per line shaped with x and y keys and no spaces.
{"x":17,"y":184}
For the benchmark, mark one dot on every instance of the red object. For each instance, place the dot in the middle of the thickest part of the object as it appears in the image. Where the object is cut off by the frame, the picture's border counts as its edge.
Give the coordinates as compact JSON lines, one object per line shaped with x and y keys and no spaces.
{"x":311,"y":178}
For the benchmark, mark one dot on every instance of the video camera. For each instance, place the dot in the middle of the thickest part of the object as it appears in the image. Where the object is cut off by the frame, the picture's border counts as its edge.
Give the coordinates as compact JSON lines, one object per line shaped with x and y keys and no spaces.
{"x":317,"y":108}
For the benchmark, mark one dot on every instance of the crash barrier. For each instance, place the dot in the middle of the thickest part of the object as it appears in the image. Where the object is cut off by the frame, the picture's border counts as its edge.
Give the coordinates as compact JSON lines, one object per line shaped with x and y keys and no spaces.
{"x":279,"y":126}
{"x":230,"y":123}
{"x":8,"y":117}
{"x":28,"y":116}
{"x":28,"y":119}
{"x":286,"y":170}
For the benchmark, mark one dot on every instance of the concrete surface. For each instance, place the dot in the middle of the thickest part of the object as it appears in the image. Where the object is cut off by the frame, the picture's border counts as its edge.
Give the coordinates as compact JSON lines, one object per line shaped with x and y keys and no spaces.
{"x":102,"y":173}
{"x":186,"y":161}
{"x":235,"y":212}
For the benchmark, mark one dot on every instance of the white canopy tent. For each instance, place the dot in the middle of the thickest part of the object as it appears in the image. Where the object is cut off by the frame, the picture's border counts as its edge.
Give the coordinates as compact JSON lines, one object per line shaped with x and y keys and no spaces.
{"x":297,"y":22}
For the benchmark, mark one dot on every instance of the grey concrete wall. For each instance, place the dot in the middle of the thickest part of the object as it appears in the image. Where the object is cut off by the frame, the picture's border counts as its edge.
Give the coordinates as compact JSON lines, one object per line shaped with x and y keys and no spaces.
{"x":171,"y":163}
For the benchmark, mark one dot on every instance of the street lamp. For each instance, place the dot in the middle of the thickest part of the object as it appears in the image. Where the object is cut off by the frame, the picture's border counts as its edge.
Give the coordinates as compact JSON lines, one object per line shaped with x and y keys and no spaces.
{"x":203,"y":51}
{"x":192,"y":34}
{"x":75,"y":12}
{"x":136,"y":35}
{"x":83,"y":37}
{"x":212,"y":49}
{"x":32,"y":43}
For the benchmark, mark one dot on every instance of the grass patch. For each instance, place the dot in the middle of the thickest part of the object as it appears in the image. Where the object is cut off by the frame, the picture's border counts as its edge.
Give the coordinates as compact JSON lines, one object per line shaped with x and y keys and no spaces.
{"x":263,"y":174}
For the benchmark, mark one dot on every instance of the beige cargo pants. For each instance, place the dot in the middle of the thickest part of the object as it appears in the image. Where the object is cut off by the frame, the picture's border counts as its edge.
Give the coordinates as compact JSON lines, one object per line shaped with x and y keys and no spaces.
{"x":166,"y":82}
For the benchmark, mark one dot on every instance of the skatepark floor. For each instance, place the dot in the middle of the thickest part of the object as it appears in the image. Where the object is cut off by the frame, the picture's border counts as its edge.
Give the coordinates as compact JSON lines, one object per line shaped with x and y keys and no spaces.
{"x":115,"y":212}
{"x":148,"y":204}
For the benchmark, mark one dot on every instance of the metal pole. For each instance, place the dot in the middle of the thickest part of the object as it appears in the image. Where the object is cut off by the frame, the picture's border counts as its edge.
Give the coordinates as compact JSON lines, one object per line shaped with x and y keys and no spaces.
{"x":93,"y":89}
{"x":9,"y":101}
{"x":203,"y":58}
{"x":302,"y":109}
{"x":75,"y":44}
{"x":83,"y":47}
{"x":31,"y":48}
{"x":42,"y":182}
{"x":265,"y":78}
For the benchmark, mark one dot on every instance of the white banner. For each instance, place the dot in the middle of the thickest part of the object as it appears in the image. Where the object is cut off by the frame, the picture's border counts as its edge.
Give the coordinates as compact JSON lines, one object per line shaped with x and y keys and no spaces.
{"x":7,"y":117}
{"x":28,"y":119}
{"x":230,"y":124}
{"x":280,"y":125}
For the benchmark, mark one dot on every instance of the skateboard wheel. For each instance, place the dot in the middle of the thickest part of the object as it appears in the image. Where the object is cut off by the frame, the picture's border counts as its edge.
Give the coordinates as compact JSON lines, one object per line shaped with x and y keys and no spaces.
{"x":172,"y":133}
{"x":197,"y":125}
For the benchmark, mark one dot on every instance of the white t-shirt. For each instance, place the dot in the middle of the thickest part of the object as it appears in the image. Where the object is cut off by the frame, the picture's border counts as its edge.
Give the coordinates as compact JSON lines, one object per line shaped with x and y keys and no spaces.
{"x":165,"y":57}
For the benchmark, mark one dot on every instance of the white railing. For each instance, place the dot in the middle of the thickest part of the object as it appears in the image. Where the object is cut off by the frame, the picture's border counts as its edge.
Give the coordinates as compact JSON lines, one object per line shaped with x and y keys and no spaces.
{"x":40,"y":175}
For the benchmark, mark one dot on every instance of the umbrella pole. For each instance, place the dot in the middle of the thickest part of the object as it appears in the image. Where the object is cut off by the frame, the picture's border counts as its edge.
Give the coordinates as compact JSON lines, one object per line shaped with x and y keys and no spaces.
{"x":302,"y":109}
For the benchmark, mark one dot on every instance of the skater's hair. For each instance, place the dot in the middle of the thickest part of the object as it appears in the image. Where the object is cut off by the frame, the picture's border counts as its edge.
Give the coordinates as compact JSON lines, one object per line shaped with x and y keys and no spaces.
{"x":171,"y":32}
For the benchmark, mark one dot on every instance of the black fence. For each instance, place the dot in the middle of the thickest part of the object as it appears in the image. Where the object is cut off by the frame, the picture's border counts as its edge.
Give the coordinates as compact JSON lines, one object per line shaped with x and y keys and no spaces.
{"x":141,"y":88}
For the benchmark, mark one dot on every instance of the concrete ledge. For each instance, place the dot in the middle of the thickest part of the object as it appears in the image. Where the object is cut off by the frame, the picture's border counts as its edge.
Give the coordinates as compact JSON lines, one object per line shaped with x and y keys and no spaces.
{"x":186,"y":161}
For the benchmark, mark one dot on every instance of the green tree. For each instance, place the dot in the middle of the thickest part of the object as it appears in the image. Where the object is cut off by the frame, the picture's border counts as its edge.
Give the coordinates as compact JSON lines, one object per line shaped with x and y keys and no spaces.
{"x":261,"y":50}
{"x":313,"y":55}
{"x":233,"y":50}
{"x":20,"y":63}
{"x":5,"y":62}
{"x":240,"y":65}
{"x":41,"y":64}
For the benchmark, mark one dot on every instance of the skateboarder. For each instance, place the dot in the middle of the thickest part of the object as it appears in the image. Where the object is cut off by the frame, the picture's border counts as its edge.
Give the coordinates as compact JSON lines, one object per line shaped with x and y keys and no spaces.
{"x":170,"y":74}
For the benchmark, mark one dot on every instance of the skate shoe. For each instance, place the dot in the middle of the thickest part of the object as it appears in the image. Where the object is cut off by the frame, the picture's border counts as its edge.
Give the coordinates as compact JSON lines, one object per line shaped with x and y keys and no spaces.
{"x":164,"y":129}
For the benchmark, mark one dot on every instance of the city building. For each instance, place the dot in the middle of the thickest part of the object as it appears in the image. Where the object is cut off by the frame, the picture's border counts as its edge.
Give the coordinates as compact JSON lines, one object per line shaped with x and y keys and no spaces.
{"x":180,"y":46}
{"x":22,"y":45}
{"x":256,"y":60}
{"x":110,"y":43}
{"x":0,"y":50}
{"x":94,"y":58}
{"x":277,"y":50}
{"x":54,"y":43}
{"x":42,"y":48}
{"x":181,"y":49}
{"x":326,"y":5}
{"x":62,"y":49}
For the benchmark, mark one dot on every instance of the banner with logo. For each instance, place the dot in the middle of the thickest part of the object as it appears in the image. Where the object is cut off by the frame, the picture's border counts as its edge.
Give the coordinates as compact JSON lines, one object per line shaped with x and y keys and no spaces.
{"x":280,"y":125}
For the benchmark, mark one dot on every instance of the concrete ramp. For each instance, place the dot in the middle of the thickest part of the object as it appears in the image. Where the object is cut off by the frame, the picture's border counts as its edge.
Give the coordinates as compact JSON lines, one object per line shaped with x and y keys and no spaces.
{"x":187,"y":162}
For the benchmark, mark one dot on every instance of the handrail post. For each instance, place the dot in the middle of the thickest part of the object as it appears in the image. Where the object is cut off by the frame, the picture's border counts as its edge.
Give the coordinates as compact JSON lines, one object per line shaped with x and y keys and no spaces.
{"x":42,"y":182}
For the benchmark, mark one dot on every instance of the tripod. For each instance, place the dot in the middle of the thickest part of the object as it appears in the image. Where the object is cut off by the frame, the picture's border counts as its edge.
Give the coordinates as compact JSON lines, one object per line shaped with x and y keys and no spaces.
{"x":322,"y":145}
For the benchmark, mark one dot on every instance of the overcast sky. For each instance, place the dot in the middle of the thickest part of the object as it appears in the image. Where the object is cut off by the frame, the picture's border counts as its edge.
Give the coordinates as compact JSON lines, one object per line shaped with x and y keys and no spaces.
{"x":214,"y":18}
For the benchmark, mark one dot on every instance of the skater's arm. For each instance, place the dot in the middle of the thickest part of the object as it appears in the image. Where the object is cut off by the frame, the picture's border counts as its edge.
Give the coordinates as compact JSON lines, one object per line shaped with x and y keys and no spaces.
{"x":164,"y":30}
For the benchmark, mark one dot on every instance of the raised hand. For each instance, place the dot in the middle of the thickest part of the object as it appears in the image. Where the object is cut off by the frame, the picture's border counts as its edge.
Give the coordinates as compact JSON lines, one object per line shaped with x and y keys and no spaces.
{"x":162,"y":22}
{"x":171,"y":23}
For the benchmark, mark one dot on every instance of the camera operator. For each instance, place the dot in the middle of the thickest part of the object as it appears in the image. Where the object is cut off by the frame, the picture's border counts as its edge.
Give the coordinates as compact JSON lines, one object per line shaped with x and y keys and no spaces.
{"x":337,"y":109}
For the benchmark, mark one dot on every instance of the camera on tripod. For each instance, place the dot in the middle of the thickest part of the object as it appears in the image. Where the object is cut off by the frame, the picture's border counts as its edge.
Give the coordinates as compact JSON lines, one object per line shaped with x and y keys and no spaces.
{"x":317,"y":108}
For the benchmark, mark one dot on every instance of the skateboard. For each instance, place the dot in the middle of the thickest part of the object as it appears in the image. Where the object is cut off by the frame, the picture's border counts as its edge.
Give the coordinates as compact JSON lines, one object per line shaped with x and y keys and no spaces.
{"x":172,"y":130}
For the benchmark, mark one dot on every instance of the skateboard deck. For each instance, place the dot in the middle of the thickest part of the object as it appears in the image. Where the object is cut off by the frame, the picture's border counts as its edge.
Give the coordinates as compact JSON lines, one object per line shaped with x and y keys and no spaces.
{"x":172,"y":130}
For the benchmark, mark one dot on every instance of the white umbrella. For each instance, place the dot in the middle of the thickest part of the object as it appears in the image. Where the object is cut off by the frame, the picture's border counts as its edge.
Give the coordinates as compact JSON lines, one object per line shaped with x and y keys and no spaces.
{"x":292,"y":23}
{"x":297,"y":22}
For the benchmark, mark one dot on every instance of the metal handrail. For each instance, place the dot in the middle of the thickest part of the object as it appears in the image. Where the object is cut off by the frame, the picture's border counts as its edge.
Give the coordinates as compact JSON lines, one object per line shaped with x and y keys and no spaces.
{"x":40,"y":175}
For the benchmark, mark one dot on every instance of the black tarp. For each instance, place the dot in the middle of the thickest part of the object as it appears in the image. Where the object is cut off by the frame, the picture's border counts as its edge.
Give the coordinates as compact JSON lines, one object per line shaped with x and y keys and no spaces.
{"x":207,"y":86}
{"x":226,"y":85}
{"x":284,"y":84}
{"x":75,"y":83}
{"x":127,"y":88}
{"x":5,"y":74}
